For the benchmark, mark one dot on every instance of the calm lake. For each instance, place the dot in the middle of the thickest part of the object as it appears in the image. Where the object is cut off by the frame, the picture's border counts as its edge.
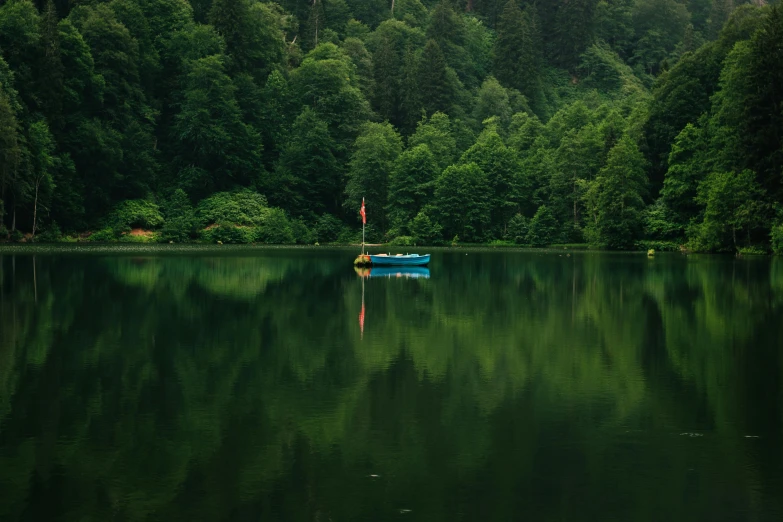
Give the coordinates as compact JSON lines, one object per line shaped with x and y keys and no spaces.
{"x":243,"y":384}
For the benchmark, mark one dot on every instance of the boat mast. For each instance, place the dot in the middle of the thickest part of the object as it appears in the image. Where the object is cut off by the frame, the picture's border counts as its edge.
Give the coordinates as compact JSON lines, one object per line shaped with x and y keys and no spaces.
{"x":364,"y":221}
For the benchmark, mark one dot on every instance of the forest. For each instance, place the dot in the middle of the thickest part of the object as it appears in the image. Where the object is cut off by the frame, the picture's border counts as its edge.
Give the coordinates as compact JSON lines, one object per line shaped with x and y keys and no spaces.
{"x":621,"y":124}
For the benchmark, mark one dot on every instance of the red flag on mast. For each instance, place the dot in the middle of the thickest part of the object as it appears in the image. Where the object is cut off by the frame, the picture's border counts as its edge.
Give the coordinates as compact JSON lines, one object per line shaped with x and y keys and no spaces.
{"x":364,"y":215}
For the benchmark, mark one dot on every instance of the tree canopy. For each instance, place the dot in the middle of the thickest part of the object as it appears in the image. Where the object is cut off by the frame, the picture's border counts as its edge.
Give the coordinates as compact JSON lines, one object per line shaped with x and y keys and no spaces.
{"x":619,"y":123}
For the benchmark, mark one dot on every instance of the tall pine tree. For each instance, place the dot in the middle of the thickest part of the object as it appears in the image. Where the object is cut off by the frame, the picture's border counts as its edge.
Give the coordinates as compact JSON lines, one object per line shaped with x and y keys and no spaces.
{"x":435,"y":88}
{"x":518,"y":49}
{"x":615,"y":201}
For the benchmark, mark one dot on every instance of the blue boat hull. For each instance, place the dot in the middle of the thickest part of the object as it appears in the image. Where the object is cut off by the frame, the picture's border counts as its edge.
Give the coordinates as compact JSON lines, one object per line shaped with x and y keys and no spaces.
{"x":406,"y":260}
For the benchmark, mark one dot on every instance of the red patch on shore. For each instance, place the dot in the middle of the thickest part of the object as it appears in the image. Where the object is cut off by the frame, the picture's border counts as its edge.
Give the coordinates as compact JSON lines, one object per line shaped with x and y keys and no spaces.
{"x":140,"y":232}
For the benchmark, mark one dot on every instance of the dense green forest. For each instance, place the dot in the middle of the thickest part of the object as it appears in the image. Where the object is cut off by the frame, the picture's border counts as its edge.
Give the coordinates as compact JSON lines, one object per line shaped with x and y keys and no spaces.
{"x":619,"y":123}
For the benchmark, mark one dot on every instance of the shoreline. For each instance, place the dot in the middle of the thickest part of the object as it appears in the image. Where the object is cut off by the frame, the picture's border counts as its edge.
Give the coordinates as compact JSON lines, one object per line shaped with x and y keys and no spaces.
{"x":162,"y":248}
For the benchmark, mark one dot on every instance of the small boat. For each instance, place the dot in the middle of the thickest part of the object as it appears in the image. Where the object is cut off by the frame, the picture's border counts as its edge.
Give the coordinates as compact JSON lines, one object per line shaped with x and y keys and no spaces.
{"x":399,"y":260}
{"x":366,"y":260}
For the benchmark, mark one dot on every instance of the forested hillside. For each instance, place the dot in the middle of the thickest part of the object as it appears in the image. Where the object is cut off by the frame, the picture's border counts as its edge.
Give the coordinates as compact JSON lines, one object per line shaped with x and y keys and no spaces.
{"x":619,"y":123}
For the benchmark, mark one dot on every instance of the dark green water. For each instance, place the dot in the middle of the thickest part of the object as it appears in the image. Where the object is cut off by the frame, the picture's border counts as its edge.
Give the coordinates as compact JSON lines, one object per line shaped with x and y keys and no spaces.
{"x":237,"y":385}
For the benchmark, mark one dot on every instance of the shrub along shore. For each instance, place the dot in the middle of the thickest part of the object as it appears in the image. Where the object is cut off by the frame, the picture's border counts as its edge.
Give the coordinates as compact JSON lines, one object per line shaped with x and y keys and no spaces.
{"x":244,"y":217}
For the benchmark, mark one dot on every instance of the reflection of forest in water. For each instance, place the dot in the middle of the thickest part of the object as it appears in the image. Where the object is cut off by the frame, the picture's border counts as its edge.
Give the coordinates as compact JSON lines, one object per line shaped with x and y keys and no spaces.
{"x":509,"y":384}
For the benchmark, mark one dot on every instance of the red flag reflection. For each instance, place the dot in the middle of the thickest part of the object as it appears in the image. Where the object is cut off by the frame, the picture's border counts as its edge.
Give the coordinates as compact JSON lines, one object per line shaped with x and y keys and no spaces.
{"x":361,"y":320}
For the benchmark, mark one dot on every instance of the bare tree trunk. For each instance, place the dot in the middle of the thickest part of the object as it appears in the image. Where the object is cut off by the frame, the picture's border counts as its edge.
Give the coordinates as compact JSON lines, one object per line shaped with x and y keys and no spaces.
{"x":392,"y":9}
{"x":13,"y":220}
{"x":468,"y":7}
{"x":575,"y":219}
{"x":316,"y":23}
{"x":35,"y":207}
{"x":2,"y":205}
{"x":734,"y":235}
{"x":575,"y":200}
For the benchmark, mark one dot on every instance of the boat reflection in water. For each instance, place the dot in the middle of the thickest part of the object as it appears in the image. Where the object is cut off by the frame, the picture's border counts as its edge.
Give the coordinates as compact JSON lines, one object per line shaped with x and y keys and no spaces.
{"x":389,"y":272}
{"x":393,"y":272}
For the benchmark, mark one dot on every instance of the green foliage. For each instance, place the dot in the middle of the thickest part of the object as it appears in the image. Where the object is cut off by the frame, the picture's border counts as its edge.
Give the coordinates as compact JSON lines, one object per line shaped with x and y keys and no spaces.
{"x":356,"y":29}
{"x":395,"y":93}
{"x":52,"y":234}
{"x":403,"y":241}
{"x":777,"y":239}
{"x":574,"y":26}
{"x":478,"y":40}
{"x":126,"y":237}
{"x":410,"y":185}
{"x":317,"y":105}
{"x":508,"y":183}
{"x":327,"y":82}
{"x":375,"y":153}
{"x":518,"y":229}
{"x":245,"y":208}
{"x":275,"y":229}
{"x":114,"y":148}
{"x":216,"y":149}
{"x":20,"y":34}
{"x":136,"y":213}
{"x":103,"y":235}
{"x":436,"y":87}
{"x":747,"y":111}
{"x":523,"y":131}
{"x":462,"y":202}
{"x":604,"y":70}
{"x":412,"y":12}
{"x":517,"y":55}
{"x":328,"y":229}
{"x":302,"y":234}
{"x":370,"y":12}
{"x":424,"y":230}
{"x":436,"y":133}
{"x":751,"y":251}
{"x":615,"y":199}
{"x":308,"y":179}
{"x":733,"y":208}
{"x":16,"y":236}
{"x":577,"y":162}
{"x":658,"y":245}
{"x":662,"y":223}
{"x":659,"y":25}
{"x":253,"y":36}
{"x":680,"y":97}
{"x":372,"y":234}
{"x":687,"y":165}
{"x":181,"y":225}
{"x":494,"y":101}
{"x":362,"y":60}
{"x":238,"y":217}
{"x":542,"y":230}
{"x":229,"y":233}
